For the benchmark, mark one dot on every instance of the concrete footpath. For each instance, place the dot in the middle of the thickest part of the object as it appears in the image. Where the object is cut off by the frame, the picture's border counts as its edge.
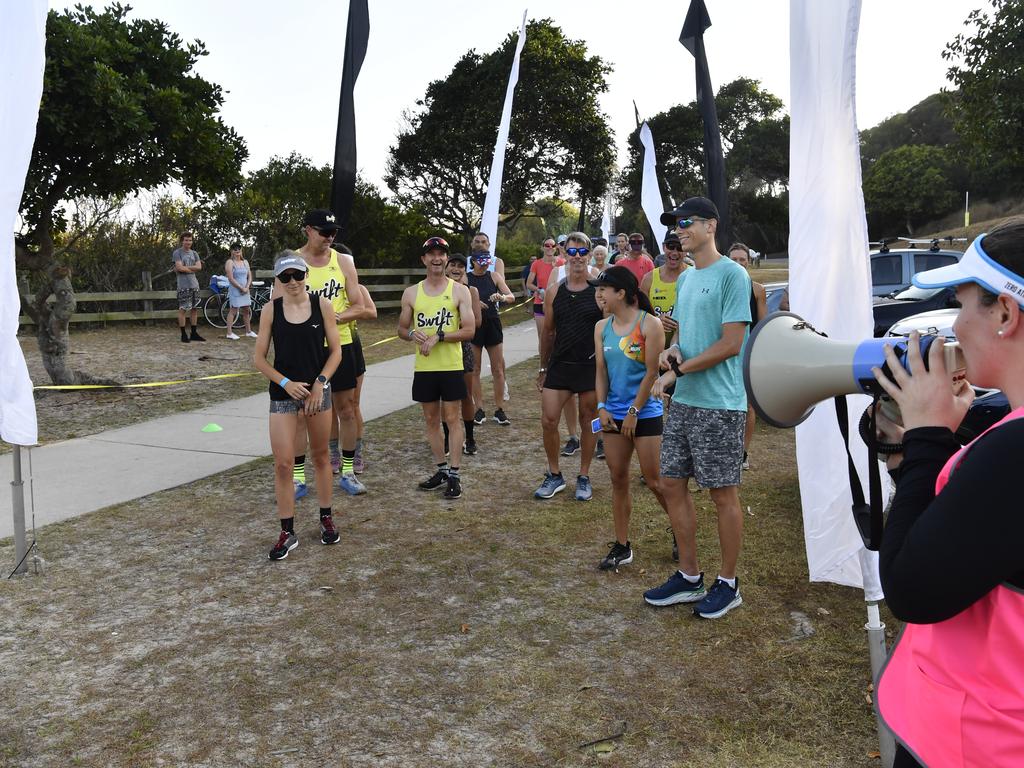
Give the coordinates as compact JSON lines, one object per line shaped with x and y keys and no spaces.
{"x":74,"y":477}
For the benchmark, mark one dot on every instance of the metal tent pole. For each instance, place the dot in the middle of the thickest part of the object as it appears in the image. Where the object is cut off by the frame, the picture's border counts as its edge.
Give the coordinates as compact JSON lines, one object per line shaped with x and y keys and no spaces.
{"x":18,"y":509}
{"x":879,"y":652}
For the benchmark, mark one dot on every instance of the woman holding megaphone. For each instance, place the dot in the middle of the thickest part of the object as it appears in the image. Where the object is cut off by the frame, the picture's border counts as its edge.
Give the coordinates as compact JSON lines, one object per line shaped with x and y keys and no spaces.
{"x":952,"y":557}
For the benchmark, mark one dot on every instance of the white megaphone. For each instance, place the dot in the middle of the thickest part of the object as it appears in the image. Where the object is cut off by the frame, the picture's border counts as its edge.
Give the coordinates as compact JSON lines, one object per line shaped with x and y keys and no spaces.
{"x":789,"y":367}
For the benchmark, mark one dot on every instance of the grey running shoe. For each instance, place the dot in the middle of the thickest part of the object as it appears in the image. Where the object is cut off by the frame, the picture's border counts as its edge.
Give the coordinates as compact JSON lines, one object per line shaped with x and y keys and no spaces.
{"x":552,"y":484}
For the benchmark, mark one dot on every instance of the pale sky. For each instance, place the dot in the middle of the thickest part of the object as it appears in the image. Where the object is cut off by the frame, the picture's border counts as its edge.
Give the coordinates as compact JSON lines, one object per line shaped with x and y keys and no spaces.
{"x":280,"y":62}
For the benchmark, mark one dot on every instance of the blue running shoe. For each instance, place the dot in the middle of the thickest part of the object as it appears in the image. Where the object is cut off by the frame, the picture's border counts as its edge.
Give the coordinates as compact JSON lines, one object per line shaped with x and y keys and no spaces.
{"x":583,"y":490}
{"x":678,"y":589}
{"x":720,"y":600}
{"x":300,"y":490}
{"x":351,"y":484}
{"x":552,"y":484}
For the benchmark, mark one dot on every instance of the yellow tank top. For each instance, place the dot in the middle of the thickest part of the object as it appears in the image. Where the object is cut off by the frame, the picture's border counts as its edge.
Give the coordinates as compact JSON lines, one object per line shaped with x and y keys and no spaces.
{"x":663,"y":296}
{"x":329,"y":281}
{"x":430,"y":313}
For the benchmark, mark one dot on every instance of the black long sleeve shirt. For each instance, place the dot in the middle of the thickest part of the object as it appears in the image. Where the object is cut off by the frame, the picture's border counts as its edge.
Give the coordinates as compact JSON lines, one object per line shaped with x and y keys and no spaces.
{"x":940,"y":554}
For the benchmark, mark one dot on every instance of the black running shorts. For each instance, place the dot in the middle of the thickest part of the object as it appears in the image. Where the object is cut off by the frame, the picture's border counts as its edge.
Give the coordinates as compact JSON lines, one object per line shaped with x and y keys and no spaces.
{"x":575,"y":377}
{"x":489,"y":334}
{"x":357,"y":353}
{"x":345,"y":377}
{"x":431,"y":386}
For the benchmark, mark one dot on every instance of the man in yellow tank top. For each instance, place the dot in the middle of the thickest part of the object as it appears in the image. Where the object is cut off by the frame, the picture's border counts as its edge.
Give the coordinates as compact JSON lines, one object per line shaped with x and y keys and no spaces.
{"x":437,"y":316}
{"x":333,"y":276}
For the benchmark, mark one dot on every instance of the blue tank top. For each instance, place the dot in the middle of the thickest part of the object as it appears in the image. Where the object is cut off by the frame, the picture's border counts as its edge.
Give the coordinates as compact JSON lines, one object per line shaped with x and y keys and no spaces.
{"x":624,"y":358}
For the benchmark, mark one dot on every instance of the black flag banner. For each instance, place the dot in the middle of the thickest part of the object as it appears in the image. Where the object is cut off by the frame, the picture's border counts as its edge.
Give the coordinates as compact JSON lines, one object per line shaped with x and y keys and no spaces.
{"x":343,"y":183}
{"x":692,"y":38}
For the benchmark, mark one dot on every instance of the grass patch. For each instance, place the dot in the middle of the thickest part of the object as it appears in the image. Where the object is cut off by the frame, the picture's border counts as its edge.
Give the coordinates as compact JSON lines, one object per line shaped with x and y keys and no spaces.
{"x":473,"y":633}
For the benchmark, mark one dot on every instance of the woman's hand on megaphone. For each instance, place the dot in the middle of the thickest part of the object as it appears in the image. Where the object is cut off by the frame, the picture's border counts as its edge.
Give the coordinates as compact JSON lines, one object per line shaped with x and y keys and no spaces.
{"x":926,"y":397}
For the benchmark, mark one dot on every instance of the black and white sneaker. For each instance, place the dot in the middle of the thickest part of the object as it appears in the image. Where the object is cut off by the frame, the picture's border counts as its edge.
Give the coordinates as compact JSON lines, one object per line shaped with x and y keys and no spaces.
{"x":572,"y":446}
{"x":479,"y":417}
{"x":286,"y":542}
{"x":469,"y":448}
{"x":435,"y":481}
{"x":454,"y":489}
{"x":618,"y":554}
{"x":328,"y":533}
{"x":501,"y":418}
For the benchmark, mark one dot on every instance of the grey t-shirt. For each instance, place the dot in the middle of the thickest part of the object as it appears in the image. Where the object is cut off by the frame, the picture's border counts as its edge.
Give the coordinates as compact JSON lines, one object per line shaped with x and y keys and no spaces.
{"x":187,"y":259}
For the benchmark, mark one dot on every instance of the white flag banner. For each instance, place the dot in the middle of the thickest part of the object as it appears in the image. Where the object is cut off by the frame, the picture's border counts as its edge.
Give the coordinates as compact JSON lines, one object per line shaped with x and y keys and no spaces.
{"x":22,"y":60}
{"x":489,"y":220}
{"x":829,"y":272}
{"x":650,"y":195}
{"x":606,"y":220}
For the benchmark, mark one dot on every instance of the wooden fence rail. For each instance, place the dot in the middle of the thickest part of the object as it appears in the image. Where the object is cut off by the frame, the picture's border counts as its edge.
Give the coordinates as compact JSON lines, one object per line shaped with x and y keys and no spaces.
{"x":162,"y":305}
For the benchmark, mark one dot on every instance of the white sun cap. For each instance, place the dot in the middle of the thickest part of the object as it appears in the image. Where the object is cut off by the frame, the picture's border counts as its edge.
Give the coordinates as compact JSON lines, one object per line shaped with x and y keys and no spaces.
{"x":975,"y":266}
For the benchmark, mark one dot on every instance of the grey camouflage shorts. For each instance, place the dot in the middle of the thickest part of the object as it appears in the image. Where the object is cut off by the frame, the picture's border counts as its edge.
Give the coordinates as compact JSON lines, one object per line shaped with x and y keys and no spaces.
{"x":188,"y":299}
{"x":704,"y":443}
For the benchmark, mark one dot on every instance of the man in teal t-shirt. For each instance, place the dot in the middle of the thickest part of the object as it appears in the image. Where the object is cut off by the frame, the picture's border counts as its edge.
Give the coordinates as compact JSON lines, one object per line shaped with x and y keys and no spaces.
{"x":703,"y":434}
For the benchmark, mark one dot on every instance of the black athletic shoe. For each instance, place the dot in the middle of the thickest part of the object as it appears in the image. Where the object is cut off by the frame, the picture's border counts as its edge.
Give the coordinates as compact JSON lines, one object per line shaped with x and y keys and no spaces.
{"x":195,"y":337}
{"x":286,"y":542}
{"x":618,"y":554}
{"x":454,"y":489}
{"x":184,"y":338}
{"x":572,"y":446}
{"x":479,"y":417}
{"x":599,"y":452}
{"x":435,"y":481}
{"x":469,"y":448}
{"x":328,"y":533}
{"x":501,"y":418}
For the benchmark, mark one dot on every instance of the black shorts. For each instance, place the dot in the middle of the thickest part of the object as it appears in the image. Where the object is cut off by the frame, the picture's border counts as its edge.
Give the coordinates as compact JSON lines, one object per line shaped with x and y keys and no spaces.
{"x":431,"y":386}
{"x":489,"y":334}
{"x":357,"y":354}
{"x":575,"y":377}
{"x":345,"y":377}
{"x":649,"y":427}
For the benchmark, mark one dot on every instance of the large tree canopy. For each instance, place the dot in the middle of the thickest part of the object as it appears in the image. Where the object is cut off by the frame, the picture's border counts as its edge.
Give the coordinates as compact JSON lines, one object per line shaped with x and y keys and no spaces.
{"x":558,"y":138}
{"x":122,"y":110}
{"x":908,"y":185}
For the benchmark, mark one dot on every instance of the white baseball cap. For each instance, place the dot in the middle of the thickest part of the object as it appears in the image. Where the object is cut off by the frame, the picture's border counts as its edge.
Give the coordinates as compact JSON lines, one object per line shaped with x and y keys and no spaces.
{"x":975,"y":266}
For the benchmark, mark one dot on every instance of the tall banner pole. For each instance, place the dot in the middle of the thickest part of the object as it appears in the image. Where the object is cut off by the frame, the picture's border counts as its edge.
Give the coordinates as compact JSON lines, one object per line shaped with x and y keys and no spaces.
{"x":830,"y":289}
{"x":692,"y":39}
{"x":489,"y":220}
{"x":343,"y":181}
{"x":22,"y":61}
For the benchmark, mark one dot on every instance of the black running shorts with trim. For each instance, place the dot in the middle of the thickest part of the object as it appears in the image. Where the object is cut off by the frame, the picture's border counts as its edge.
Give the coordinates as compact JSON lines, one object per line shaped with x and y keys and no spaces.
{"x":431,"y":386}
{"x":649,"y":427}
{"x":575,"y":377}
{"x":345,"y":377}
{"x":489,"y":334}
{"x":357,"y":354}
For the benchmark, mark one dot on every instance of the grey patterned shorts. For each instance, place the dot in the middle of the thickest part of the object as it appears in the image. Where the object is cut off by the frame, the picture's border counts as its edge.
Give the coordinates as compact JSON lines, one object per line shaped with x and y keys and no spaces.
{"x":704,"y":443}
{"x":188,"y":298}
{"x":295,"y":406}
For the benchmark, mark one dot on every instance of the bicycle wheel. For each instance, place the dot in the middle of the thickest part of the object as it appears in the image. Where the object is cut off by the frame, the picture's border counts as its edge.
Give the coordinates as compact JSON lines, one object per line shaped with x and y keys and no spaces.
{"x":224,"y":309}
{"x":259,"y":298}
{"x":212,"y":309}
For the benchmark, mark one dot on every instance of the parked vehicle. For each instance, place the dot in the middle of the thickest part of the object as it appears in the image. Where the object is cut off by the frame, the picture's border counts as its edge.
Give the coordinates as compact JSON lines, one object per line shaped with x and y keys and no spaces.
{"x":938,"y":321}
{"x":888,"y":310}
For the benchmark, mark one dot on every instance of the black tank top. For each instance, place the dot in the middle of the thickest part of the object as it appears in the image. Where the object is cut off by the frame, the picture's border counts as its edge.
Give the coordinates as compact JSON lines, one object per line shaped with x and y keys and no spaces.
{"x":753,"y":307}
{"x":576,"y":313}
{"x":485,"y":284}
{"x":299,"y":348}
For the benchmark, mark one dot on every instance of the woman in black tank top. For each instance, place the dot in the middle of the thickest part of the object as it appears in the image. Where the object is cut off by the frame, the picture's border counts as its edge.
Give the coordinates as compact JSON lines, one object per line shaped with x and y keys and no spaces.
{"x":307,"y":351}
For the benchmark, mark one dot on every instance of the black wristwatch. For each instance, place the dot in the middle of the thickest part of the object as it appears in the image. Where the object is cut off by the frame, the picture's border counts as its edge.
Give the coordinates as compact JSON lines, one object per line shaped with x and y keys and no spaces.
{"x":440,"y":334}
{"x":322,"y":379}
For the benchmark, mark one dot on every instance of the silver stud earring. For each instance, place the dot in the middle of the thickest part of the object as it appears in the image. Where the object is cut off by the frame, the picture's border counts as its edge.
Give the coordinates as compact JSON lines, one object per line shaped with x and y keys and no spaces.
{"x":999,"y":332}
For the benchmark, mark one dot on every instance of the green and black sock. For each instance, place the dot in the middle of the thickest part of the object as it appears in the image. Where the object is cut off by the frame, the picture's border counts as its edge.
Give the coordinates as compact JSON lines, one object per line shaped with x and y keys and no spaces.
{"x":299,"y":470}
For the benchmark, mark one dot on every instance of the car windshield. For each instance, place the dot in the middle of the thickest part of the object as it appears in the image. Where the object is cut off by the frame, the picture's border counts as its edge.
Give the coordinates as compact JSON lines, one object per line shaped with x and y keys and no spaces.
{"x":913,"y":293}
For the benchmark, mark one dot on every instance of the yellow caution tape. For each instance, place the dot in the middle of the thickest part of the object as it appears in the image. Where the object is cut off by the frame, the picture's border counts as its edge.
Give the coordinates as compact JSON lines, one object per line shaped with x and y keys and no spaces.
{"x":66,"y":387}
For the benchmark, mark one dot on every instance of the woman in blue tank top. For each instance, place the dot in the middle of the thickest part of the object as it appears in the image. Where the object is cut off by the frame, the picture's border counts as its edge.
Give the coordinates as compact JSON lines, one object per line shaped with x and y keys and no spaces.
{"x":627,"y":344}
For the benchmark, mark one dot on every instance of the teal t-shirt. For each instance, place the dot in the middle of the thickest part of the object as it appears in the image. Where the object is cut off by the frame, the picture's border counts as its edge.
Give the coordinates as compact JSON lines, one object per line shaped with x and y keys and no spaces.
{"x":706,"y":298}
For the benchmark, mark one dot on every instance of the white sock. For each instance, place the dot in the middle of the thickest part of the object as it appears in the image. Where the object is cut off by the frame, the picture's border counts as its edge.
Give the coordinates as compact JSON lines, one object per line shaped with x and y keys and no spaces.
{"x":731,"y":582}
{"x":689,"y":578}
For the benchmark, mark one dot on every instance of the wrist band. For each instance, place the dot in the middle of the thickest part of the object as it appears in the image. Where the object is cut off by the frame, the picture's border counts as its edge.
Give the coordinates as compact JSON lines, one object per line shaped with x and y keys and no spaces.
{"x":284,"y":382}
{"x":602,"y":405}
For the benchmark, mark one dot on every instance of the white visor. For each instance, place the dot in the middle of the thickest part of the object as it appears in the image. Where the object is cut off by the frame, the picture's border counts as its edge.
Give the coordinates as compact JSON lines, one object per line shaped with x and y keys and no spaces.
{"x":975,"y":266}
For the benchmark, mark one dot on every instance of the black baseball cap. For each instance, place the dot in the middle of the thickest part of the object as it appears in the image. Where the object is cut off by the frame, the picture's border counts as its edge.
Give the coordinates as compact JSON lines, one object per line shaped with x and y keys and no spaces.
{"x":435,"y":242}
{"x":616,"y":277}
{"x":457,"y":257}
{"x":320,"y":219}
{"x":671,"y":237}
{"x":695,"y":206}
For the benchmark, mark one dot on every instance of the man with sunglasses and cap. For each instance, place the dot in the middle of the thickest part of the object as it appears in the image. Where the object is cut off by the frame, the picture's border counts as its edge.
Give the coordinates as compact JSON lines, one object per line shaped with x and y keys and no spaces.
{"x":333,"y":275}
{"x":703,"y":436}
{"x":437,"y":316}
{"x":636,"y":259}
{"x":489,"y":336}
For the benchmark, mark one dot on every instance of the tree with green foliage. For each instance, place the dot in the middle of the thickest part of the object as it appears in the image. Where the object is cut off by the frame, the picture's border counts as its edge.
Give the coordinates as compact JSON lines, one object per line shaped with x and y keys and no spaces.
{"x":558,"y":140}
{"x":122,"y":110}
{"x":987,"y":66}
{"x":907,"y":186}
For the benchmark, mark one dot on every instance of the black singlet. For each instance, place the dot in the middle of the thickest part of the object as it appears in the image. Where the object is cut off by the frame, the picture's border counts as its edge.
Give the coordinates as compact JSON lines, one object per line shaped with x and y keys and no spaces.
{"x":299,"y":349}
{"x":485,"y":284}
{"x":575,"y":314}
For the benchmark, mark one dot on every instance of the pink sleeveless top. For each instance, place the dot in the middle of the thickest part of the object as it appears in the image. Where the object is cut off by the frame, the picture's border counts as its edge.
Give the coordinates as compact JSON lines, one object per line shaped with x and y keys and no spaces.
{"x":953,"y":692}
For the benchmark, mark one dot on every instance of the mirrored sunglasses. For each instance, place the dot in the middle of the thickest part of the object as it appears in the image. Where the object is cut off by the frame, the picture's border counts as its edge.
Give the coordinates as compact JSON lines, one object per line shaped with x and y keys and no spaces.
{"x":580,"y":251}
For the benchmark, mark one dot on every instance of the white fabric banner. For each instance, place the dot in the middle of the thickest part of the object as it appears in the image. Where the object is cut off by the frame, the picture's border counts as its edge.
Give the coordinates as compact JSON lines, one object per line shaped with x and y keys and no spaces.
{"x":489,"y":220}
{"x":606,"y":221}
{"x":22,"y":60}
{"x":650,"y":195}
{"x":829,"y":272}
